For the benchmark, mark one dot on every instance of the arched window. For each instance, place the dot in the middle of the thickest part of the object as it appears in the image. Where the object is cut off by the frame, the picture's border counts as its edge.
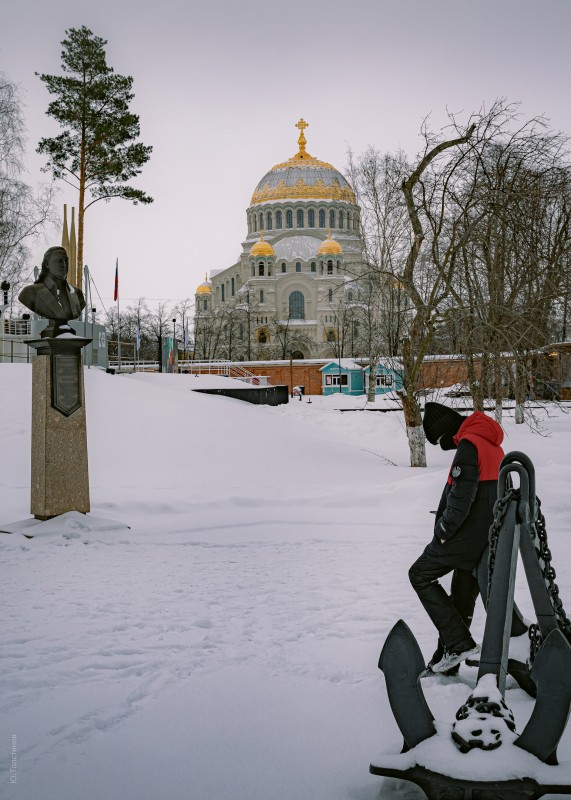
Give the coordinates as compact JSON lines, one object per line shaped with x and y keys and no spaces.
{"x":296,"y":305}
{"x":284,"y":268}
{"x":222,"y":292}
{"x":321,"y":218}
{"x":278,"y":219}
{"x":331,"y":218}
{"x":269,"y":221}
{"x":254,"y":220}
{"x":233,"y":286}
{"x":341,"y":219}
{"x":261,"y":269}
{"x":330,"y":295}
{"x":261,"y":295}
{"x":261,"y":221}
{"x":331,"y":336}
{"x":289,"y":218}
{"x":298,"y":266}
{"x":330,"y":267}
{"x":262,"y":337}
{"x":311,"y":218}
{"x":313,"y":266}
{"x":300,"y":218}
{"x":349,"y":295}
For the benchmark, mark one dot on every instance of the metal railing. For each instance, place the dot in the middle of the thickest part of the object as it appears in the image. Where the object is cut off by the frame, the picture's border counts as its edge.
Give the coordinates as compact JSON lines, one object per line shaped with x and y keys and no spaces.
{"x":16,"y":327}
{"x":228,"y":369}
{"x":15,"y":351}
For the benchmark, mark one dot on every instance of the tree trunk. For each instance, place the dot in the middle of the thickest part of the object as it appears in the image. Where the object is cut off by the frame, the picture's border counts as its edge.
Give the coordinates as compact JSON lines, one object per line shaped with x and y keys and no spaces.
{"x":414,"y":430}
{"x":521,"y":389}
{"x":498,"y":389}
{"x":476,"y":387}
{"x":371,"y":388}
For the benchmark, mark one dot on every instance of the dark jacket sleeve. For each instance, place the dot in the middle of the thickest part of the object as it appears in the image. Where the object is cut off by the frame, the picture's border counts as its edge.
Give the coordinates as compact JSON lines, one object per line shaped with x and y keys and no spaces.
{"x":464,"y":476}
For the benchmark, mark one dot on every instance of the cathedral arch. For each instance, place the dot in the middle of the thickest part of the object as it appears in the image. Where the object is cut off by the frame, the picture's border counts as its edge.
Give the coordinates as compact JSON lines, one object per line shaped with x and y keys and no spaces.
{"x":321,"y":217}
{"x":289,"y":218}
{"x":269,"y":221}
{"x":299,"y":217}
{"x":311,"y":218}
{"x":331,"y":218}
{"x":278,"y":219}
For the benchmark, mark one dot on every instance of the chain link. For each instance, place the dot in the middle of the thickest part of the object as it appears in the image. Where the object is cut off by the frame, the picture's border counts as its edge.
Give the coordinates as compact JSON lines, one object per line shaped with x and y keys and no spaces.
{"x":500,"y":510}
{"x":539,"y":535}
{"x":543,"y":552}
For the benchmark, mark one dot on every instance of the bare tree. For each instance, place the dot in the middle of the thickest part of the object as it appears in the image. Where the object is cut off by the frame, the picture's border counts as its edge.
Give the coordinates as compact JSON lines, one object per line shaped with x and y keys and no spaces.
{"x":377,"y":180}
{"x":515,"y":267}
{"x":441,"y":226}
{"x":24,"y":212}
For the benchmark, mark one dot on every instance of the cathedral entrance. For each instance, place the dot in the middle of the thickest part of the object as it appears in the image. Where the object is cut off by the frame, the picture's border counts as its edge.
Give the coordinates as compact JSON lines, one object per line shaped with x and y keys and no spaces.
{"x":297,"y":355}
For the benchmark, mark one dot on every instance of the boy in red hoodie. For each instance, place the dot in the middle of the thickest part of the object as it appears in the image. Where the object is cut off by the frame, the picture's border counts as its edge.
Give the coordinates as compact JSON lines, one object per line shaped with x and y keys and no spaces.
{"x":463,"y":519}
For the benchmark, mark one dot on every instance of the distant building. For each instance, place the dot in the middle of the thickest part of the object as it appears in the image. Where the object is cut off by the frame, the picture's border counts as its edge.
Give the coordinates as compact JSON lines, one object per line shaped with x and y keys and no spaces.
{"x":347,"y":376}
{"x":292,"y":291}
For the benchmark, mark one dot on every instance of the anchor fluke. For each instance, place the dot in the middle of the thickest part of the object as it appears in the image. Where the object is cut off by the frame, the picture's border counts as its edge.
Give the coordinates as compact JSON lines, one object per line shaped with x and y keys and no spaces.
{"x":402,"y":663}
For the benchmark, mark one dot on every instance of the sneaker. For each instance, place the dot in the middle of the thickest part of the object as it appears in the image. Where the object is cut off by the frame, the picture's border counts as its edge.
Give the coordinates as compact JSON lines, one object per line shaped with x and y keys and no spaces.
{"x":436,"y":658}
{"x":453,"y":658}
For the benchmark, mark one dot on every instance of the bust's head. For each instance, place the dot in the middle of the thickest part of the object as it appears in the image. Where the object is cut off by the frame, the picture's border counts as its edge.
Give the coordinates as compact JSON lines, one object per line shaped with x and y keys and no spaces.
{"x":55,"y":263}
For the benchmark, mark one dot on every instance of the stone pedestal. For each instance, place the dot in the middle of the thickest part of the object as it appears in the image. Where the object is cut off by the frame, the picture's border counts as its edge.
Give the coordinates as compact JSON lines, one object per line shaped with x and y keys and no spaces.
{"x":60,"y":479}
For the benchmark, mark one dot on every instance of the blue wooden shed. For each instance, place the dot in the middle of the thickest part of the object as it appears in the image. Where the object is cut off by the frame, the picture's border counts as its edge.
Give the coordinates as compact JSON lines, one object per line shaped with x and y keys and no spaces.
{"x":348,"y":376}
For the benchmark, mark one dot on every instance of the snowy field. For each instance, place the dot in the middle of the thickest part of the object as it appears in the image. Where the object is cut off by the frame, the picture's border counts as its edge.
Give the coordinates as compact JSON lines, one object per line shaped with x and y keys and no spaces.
{"x":226,"y":646}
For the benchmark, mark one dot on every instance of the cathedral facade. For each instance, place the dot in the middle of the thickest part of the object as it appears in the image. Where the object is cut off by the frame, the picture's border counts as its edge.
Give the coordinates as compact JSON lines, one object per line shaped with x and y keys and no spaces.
{"x":295,"y":283}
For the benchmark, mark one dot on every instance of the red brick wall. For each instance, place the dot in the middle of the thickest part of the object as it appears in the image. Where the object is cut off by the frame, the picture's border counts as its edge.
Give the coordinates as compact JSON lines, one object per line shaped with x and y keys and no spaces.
{"x":435,"y":374}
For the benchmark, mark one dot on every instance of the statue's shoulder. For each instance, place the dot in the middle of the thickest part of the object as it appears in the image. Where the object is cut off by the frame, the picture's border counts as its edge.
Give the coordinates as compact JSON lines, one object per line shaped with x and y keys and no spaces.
{"x":29,"y":291}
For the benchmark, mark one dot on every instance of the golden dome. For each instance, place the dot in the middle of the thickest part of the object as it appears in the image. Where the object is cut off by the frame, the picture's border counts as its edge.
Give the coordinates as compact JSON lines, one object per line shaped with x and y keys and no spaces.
{"x":262,"y":248}
{"x":330,"y":247}
{"x":205,"y":287}
{"x":303,"y":177}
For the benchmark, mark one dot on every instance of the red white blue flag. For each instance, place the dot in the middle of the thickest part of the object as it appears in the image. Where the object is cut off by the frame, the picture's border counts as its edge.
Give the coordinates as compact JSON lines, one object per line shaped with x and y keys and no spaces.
{"x":116,"y":292}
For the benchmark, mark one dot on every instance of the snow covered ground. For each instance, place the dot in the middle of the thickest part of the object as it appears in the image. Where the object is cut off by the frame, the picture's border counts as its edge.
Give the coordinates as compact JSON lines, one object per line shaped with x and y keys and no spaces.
{"x":226,"y":646}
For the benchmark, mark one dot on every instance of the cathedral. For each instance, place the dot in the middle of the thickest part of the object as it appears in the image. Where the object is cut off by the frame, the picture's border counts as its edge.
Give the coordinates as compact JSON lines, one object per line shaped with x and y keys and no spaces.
{"x":294,"y":285}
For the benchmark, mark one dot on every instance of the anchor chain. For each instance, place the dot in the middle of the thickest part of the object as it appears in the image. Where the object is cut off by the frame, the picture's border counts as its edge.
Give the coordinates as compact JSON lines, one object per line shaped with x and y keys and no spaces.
{"x":539,"y":536}
{"x":500,"y":510}
{"x":544,"y":555}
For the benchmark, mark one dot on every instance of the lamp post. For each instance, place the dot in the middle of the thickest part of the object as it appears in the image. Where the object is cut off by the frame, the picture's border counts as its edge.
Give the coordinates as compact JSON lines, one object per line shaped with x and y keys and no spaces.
{"x":291,"y":373}
{"x":93,"y":312}
{"x":174,"y":341}
{"x":5,"y":287}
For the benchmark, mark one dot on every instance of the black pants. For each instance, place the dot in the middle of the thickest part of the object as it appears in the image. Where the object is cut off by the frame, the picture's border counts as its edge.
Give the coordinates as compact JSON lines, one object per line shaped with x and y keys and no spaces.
{"x":451,"y":614}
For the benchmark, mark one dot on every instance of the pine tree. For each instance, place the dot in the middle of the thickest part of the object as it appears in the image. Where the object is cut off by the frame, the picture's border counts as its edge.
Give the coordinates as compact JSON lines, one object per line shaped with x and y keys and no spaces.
{"x":96,"y":153}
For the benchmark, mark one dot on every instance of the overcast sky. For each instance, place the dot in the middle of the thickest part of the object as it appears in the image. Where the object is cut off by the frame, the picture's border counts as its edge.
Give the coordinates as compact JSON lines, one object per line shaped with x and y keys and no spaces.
{"x":219,"y":87}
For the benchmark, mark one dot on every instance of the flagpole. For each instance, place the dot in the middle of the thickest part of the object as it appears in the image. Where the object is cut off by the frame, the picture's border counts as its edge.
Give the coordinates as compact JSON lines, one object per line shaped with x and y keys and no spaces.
{"x":118,"y":316}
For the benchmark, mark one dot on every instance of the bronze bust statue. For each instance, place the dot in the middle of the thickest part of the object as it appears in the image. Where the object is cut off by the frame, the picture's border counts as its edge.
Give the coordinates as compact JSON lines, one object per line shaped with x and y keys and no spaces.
{"x":51,"y":296}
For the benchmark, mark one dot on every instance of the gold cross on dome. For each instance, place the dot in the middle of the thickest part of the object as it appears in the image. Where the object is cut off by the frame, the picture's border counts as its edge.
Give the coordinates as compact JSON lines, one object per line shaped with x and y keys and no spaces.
{"x":302,"y":141}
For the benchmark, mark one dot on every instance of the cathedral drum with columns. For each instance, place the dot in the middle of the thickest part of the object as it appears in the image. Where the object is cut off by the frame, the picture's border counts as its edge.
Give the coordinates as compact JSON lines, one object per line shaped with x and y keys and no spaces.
{"x":296,"y":278}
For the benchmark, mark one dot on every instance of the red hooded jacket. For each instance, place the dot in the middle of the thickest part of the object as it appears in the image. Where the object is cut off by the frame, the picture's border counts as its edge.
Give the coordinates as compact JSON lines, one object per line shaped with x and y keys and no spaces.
{"x":466,"y":509}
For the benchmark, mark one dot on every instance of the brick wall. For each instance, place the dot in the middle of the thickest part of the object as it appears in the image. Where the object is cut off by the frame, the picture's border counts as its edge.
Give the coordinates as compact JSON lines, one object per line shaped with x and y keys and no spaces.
{"x":435,"y":374}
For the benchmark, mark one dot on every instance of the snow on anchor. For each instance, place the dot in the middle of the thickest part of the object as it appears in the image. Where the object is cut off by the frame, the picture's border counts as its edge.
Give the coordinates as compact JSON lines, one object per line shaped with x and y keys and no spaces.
{"x":480,"y":755}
